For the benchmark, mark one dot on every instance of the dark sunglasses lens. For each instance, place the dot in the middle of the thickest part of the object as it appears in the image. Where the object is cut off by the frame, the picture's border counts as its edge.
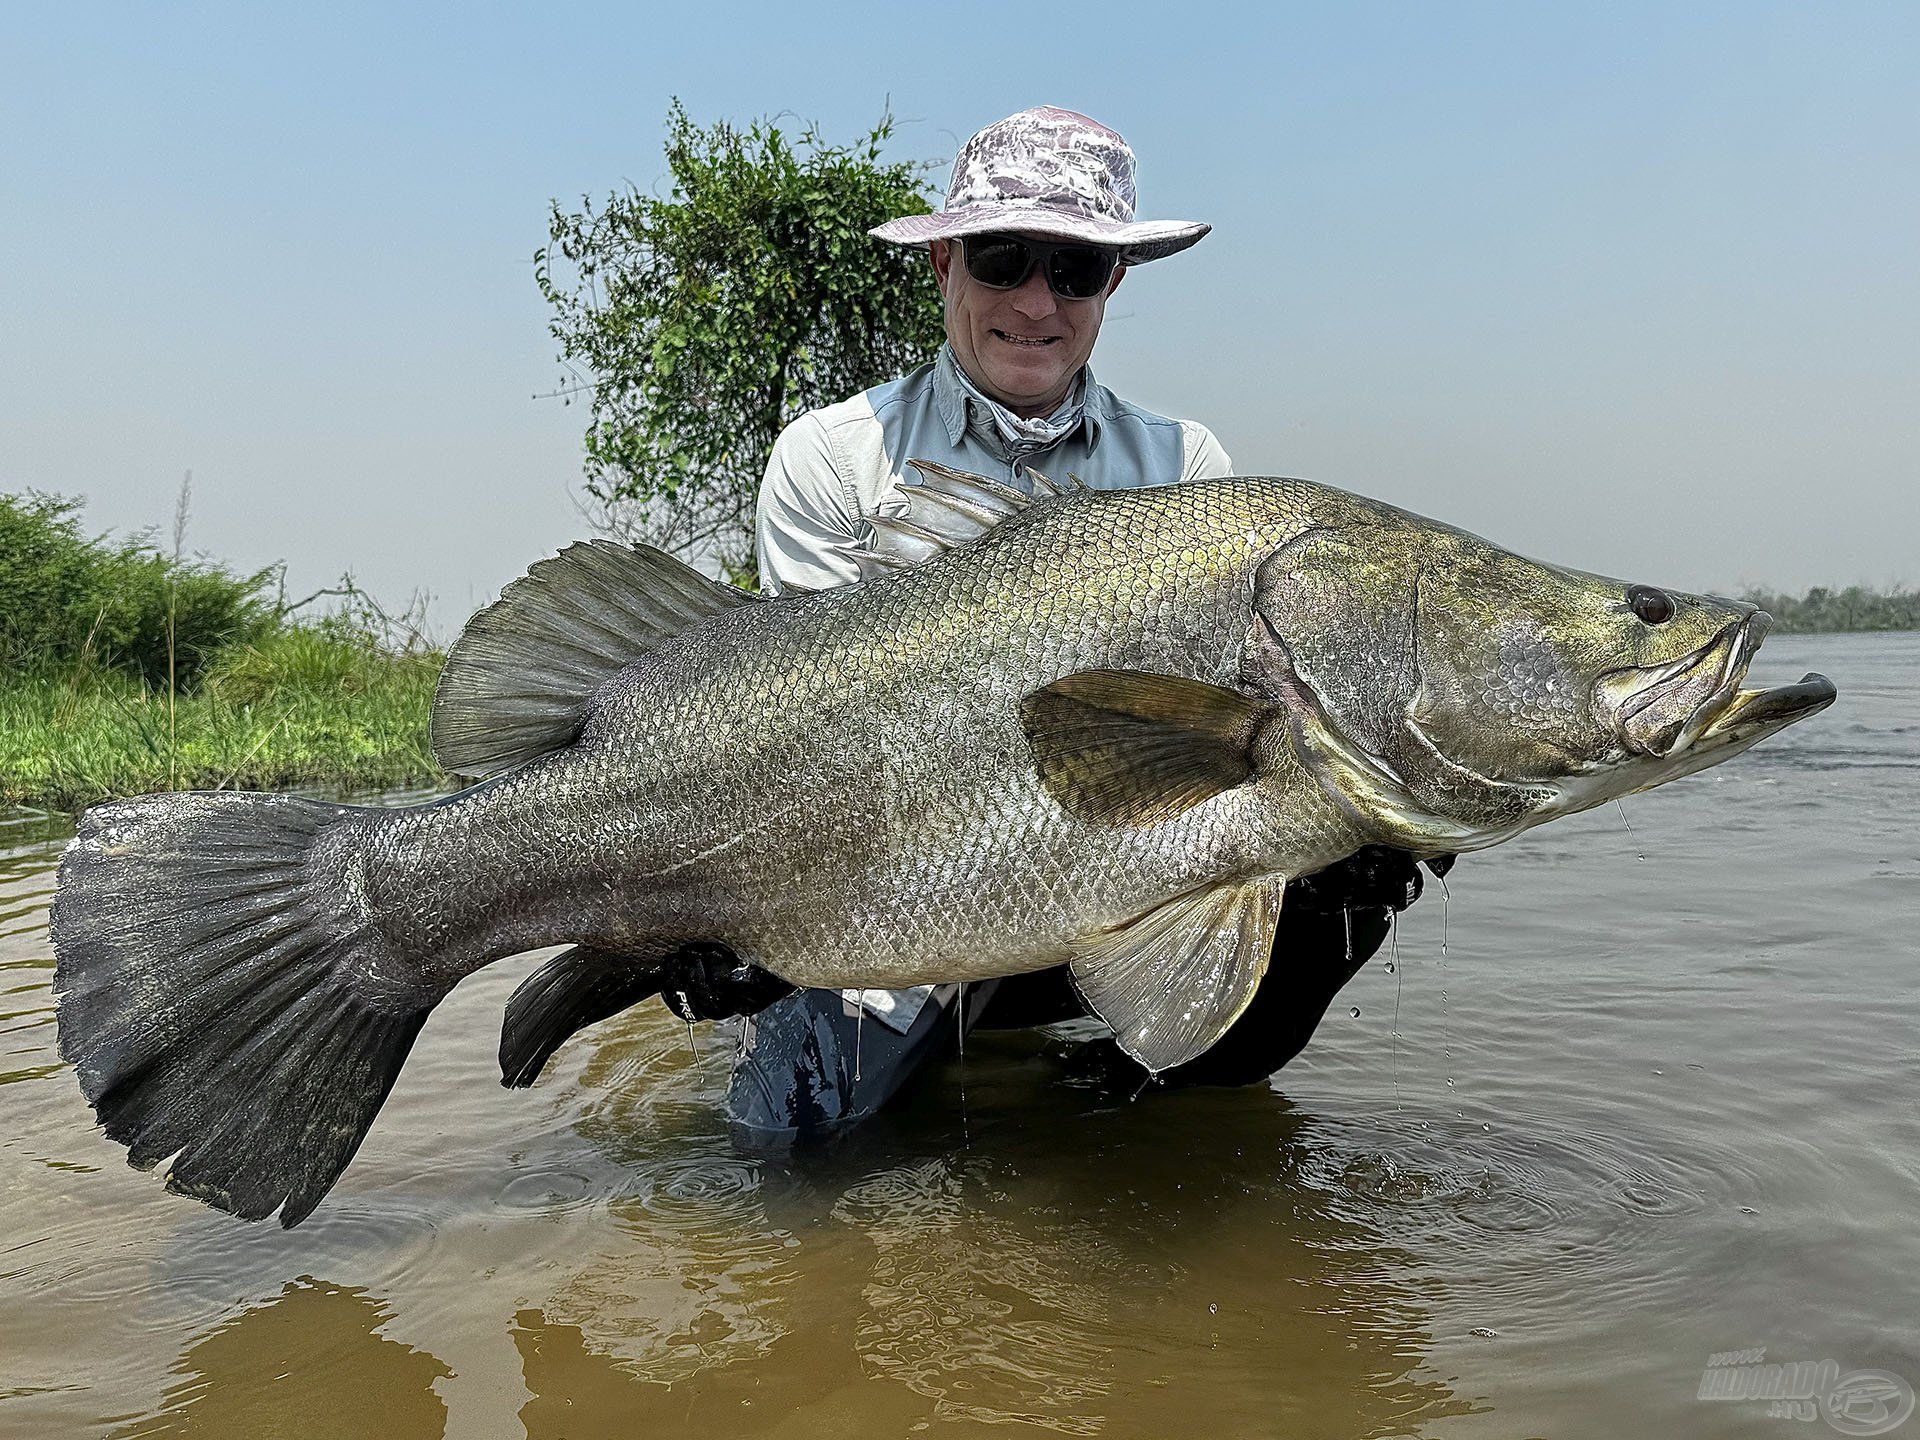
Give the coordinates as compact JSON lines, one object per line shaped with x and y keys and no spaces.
{"x":1079,"y":272}
{"x":998,"y":260}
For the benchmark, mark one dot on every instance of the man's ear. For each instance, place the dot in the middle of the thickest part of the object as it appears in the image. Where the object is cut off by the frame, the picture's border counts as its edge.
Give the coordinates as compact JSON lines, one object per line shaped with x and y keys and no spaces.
{"x":1119,"y":274}
{"x":940,"y":252}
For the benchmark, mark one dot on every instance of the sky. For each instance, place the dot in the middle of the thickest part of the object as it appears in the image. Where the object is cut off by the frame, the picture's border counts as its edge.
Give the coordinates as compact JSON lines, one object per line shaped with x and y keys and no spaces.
{"x":1634,"y":288}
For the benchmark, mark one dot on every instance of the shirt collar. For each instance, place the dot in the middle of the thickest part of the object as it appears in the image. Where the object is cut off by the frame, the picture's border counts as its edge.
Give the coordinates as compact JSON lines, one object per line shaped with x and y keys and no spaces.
{"x":951,"y":397}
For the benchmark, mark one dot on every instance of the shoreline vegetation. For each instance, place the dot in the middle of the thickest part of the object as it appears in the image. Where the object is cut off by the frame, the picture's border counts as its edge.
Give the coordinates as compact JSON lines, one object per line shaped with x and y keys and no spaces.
{"x":126,"y":669}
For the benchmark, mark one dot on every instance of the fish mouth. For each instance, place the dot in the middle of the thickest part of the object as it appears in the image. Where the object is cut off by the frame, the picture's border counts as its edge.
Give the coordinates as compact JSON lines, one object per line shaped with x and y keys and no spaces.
{"x":1696,"y":703}
{"x":1753,"y":714}
{"x":1660,"y":709}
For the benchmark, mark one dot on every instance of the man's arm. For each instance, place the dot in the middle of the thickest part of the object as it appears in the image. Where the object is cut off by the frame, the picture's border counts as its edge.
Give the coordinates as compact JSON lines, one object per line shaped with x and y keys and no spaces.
{"x":1203,"y":456}
{"x":806,"y":529}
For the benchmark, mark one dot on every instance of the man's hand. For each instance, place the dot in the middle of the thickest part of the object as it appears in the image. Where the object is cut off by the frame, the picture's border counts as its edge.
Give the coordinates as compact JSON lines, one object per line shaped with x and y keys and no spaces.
{"x":709,"y":982}
{"x":1374,"y":876}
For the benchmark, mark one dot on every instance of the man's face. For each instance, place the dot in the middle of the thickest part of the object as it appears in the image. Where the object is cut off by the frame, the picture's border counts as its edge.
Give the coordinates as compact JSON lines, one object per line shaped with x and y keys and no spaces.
{"x":1022,"y":347}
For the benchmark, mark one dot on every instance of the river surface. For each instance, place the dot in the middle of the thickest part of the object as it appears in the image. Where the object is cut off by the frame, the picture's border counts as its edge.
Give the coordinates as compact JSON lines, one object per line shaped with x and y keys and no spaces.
{"x":1628,"y":1100}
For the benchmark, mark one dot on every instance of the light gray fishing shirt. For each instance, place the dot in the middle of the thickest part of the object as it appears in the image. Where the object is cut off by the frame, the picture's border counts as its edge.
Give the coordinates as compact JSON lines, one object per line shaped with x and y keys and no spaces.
{"x":834,"y":467}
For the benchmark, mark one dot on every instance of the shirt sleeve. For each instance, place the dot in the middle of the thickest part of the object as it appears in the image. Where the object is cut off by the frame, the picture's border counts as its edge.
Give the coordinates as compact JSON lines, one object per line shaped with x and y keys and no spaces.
{"x":806,"y":529}
{"x":1206,"y":459}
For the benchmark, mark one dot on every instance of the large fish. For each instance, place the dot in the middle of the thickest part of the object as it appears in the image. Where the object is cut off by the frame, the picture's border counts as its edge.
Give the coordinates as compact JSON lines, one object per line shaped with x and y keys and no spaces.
{"x":1101,"y":728}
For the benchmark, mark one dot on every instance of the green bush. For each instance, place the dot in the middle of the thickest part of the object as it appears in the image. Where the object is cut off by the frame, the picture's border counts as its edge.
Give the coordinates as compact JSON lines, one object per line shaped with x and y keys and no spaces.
{"x":66,"y":599}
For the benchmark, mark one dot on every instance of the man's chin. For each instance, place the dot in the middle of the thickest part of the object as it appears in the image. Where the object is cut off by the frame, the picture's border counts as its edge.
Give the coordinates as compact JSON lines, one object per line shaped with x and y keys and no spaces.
{"x":1019,"y":379}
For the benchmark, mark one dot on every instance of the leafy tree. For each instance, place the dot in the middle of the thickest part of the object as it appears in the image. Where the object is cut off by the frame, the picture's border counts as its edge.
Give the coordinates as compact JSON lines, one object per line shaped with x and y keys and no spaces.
{"x":701,"y":323}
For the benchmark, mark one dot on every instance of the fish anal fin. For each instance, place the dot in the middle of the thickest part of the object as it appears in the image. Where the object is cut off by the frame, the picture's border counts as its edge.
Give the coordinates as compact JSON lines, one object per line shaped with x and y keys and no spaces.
{"x":584,"y":985}
{"x":517,"y":682}
{"x":1172,"y":983}
{"x":1124,"y":747}
{"x":571,"y":991}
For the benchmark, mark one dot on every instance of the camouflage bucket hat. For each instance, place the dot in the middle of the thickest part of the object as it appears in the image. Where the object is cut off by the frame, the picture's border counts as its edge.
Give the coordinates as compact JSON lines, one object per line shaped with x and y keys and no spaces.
{"x":1047,"y":172}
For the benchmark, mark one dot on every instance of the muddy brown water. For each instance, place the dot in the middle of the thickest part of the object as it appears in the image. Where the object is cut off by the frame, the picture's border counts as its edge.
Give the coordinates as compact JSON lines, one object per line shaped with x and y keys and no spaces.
{"x":1627,"y":1101}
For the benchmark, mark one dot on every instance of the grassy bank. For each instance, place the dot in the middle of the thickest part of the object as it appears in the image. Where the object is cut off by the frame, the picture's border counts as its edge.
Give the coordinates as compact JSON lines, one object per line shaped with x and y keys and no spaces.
{"x":301,"y":707}
{"x":126,"y":669}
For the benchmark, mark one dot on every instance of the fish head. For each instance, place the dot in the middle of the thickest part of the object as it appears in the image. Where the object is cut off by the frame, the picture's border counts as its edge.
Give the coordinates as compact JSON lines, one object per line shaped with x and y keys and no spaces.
{"x":1452,"y":693}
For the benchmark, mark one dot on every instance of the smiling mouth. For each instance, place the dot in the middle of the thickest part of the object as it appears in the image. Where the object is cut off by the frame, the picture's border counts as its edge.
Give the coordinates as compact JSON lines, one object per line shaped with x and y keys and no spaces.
{"x":1027,"y":342}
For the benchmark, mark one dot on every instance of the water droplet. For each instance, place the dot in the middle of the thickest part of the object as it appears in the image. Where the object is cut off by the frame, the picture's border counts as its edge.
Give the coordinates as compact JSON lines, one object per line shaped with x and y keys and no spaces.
{"x":1391,"y":967}
{"x":1449,"y":1082}
{"x":1213,"y":1309}
{"x":1355,"y":1012}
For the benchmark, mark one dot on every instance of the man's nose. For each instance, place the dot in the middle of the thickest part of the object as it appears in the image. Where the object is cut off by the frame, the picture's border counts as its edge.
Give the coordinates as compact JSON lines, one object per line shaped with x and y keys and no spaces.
{"x":1033,"y":299}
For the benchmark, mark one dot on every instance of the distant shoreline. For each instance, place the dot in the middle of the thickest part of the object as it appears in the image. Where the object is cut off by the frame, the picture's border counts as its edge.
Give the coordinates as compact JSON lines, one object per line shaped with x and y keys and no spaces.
{"x":1852,"y":611}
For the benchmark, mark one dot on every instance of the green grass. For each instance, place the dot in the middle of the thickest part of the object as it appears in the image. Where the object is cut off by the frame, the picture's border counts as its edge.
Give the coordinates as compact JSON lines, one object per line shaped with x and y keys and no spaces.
{"x":307,"y":705}
{"x":125,"y":669}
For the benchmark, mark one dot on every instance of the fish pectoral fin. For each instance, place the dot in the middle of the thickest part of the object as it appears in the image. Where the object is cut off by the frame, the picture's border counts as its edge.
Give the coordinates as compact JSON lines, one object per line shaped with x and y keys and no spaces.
{"x":1123,"y":747}
{"x":517,"y":682}
{"x":1172,"y":983}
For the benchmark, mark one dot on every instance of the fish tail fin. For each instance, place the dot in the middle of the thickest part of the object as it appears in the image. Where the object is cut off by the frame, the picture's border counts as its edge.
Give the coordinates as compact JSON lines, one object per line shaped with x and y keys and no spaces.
{"x":217,"y":1005}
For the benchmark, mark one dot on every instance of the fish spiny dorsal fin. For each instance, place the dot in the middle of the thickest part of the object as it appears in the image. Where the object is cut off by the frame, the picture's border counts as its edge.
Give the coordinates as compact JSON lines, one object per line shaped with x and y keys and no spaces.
{"x":517,"y":682}
{"x":1171,"y":983}
{"x":948,"y":481}
{"x":1045,"y":489}
{"x":945,"y":508}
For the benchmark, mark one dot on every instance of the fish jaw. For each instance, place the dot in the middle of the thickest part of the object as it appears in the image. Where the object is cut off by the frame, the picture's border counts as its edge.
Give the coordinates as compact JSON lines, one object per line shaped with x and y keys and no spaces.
{"x":1730,"y":721}
{"x":1721,"y":719}
{"x":1745,"y":719}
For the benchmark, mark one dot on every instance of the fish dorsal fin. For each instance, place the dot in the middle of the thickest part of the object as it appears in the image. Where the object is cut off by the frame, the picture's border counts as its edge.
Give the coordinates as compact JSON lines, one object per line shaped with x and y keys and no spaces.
{"x":1045,"y":489}
{"x":946,"y":508}
{"x":1124,"y":747}
{"x":1171,"y":983}
{"x":517,"y":682}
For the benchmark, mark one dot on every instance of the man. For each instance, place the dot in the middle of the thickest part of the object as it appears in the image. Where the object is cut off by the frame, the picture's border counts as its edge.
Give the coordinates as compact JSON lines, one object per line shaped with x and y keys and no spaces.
{"x":1037,"y":234}
{"x":1038,"y":231}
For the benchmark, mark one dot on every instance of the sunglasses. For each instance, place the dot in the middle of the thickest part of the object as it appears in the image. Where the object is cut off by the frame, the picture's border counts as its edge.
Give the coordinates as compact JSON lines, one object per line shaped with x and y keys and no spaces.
{"x":1003,"y":262}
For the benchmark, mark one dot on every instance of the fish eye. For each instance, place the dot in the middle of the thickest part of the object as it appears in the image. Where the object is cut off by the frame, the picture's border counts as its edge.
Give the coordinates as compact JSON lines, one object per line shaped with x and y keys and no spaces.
{"x":1656,"y":607}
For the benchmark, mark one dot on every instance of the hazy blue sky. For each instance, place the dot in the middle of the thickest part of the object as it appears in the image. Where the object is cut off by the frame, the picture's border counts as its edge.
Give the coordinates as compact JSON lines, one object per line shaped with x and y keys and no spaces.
{"x":1631,"y":287}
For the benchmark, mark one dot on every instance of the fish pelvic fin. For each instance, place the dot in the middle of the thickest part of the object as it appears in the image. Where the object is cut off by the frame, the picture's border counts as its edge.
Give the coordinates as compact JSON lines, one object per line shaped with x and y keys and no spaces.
{"x":215,"y":1008}
{"x":518,"y":681}
{"x":1124,"y":747}
{"x":947,"y":508}
{"x":1173,"y":982}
